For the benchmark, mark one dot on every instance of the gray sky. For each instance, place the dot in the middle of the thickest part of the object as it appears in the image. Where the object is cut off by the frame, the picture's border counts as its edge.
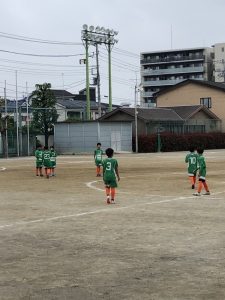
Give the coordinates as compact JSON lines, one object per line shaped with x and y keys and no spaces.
{"x":143,"y":25}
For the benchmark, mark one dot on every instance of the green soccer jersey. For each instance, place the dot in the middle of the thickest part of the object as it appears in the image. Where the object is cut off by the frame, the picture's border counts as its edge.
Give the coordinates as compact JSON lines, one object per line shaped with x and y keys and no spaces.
{"x":53,"y":158}
{"x":98,"y":156}
{"x":202,"y":167}
{"x":109,"y":171}
{"x":39,"y":157}
{"x":47,"y":158}
{"x":192,"y":160}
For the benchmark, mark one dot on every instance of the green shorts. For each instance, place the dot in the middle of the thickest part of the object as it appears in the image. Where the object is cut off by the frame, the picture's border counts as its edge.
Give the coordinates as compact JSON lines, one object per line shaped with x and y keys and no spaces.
{"x":98,"y":163}
{"x":47,"y":165}
{"x":53,"y":164}
{"x":111,"y":182}
{"x":39,"y":164}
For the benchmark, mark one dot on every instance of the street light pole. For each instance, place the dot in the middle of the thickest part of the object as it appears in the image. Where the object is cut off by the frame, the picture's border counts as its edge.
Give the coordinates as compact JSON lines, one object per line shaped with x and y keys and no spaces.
{"x":110,"y":77}
{"x":88,"y":109}
{"x":98,"y":82}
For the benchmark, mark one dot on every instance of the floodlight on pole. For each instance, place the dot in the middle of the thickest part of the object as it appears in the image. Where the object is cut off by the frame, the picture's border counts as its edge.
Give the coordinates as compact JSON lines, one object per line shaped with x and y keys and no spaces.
{"x":94,"y":36}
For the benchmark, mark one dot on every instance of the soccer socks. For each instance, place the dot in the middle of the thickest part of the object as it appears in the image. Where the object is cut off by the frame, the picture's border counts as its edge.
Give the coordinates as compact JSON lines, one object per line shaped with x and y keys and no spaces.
{"x":206,"y":187}
{"x":194,"y":178}
{"x":113,"y":192}
{"x":200,"y":185}
{"x":98,"y":171}
{"x":109,"y":191}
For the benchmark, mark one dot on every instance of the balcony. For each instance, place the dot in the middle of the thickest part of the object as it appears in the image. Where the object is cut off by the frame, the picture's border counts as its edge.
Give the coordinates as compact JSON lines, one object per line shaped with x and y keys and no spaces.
{"x":164,"y":82}
{"x":173,"y":71}
{"x":147,"y":94}
{"x":170,"y":59}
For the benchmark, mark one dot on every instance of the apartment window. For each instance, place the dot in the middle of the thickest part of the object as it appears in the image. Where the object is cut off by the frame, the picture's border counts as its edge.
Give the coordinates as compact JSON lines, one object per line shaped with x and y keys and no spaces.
{"x":222,"y":49}
{"x":206,"y":101}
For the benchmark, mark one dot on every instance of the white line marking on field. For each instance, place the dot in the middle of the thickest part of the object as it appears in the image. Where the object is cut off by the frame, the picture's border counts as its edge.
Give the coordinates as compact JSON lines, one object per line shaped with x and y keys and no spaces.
{"x":98,"y":211}
{"x":91,"y":186}
{"x":91,"y":212}
{"x":2,"y":169}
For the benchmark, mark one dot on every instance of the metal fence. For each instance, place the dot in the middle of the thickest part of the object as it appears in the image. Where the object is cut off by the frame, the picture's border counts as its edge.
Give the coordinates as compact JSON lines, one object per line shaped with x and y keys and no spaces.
{"x":17,"y":147}
{"x":182,"y":127}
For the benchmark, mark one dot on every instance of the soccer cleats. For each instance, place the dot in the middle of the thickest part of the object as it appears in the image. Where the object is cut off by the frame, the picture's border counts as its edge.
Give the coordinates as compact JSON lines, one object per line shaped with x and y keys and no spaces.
{"x":196,"y":194}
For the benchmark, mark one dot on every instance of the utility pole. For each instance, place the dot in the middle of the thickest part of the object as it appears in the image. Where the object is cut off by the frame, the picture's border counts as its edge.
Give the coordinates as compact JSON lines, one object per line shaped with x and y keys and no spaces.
{"x":28,"y":123}
{"x":17,"y":120}
{"x":6,"y":124}
{"x":135,"y":117}
{"x":98,"y":82}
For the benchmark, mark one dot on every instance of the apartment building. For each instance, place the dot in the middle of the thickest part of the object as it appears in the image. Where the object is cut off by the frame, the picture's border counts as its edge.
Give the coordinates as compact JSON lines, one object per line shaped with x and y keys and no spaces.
{"x":161,"y":69}
{"x":219,"y":62}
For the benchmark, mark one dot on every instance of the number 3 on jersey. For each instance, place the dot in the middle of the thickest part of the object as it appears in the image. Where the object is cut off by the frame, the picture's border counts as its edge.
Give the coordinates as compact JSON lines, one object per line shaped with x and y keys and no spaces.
{"x":108,"y":166}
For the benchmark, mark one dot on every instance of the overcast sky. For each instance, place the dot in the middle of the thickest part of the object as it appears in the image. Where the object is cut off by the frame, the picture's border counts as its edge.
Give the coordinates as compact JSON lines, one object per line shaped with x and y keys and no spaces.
{"x":143,"y":25}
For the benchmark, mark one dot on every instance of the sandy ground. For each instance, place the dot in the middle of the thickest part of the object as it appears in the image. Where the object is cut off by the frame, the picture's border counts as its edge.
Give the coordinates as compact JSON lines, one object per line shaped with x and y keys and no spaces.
{"x":60,"y":240}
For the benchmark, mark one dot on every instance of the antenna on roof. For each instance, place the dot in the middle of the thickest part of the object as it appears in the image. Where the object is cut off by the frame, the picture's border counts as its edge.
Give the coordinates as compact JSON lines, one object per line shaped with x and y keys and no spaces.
{"x":171,"y":36}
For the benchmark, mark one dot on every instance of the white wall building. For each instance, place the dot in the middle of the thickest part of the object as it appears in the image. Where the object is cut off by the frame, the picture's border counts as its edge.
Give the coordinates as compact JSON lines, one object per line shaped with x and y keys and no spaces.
{"x":219,"y":62}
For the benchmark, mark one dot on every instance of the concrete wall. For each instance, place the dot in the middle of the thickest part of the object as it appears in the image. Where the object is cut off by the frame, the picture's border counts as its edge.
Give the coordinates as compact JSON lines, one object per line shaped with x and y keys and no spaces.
{"x":190,"y":94}
{"x":82,"y":137}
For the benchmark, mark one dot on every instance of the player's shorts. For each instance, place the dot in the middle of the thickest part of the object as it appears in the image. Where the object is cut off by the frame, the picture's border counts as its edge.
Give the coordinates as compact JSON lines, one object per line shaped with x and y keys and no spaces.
{"x":98,"y":163}
{"x":47,"y":164}
{"x":201,"y":178}
{"x":191,"y":174}
{"x":53,"y":164}
{"x":111,"y":182}
{"x":39,"y":164}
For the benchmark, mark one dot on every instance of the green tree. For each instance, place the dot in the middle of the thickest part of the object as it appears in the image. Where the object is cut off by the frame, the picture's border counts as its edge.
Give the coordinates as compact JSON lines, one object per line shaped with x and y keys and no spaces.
{"x":44,"y":112}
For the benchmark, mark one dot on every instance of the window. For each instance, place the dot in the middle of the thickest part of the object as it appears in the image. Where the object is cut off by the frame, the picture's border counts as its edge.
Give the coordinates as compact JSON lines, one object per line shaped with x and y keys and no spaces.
{"x":206,"y":101}
{"x":222,"y":49}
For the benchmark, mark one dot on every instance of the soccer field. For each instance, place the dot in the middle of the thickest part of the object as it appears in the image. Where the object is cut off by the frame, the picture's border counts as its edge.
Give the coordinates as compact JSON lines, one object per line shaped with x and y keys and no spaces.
{"x":60,"y":240}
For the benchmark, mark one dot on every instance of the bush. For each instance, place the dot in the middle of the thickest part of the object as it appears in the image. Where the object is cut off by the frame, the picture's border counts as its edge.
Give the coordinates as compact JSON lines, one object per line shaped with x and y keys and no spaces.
{"x":180,"y":142}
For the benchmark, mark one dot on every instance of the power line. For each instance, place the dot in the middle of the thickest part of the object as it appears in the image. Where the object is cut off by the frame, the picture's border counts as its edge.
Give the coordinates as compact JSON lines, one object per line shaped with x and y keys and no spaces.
{"x":41,"y":55}
{"x":35,"y":40}
{"x":40,"y":64}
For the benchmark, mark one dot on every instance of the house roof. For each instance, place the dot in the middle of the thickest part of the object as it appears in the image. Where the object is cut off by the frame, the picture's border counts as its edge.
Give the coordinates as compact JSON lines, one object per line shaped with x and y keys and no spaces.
{"x":187,"y":111}
{"x":147,"y":114}
{"x":211,"y":84}
{"x":175,"y":113}
{"x":78,"y":104}
{"x":61,"y":93}
{"x":11,"y":105}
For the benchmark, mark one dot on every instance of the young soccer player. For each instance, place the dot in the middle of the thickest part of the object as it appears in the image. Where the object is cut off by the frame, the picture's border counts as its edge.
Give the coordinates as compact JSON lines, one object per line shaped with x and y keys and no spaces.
{"x":191,"y":159}
{"x":53,"y":160}
{"x":98,"y":159}
{"x":47,"y":161}
{"x":39,"y":160}
{"x":110,"y":171}
{"x":202,"y":173}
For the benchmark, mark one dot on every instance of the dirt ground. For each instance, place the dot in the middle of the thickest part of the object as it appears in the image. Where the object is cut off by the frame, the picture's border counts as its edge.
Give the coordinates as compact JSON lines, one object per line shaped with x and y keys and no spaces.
{"x":60,"y":240}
